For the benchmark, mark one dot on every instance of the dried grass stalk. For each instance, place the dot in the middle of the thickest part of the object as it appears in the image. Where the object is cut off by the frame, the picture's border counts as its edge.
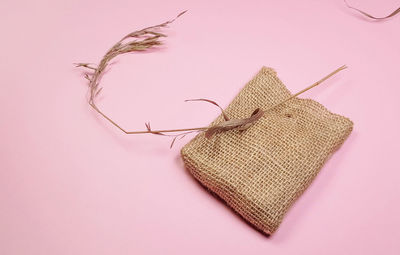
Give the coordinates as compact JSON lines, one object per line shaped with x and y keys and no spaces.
{"x":145,"y":39}
{"x":371,"y":16}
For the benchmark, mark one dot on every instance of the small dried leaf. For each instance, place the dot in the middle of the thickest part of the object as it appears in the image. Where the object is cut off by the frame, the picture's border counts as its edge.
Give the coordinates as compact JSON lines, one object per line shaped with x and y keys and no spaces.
{"x":173,"y":141}
{"x":147,"y":124}
{"x":87,"y":77}
{"x":212,"y":102}
{"x":240,"y":124}
{"x":87,"y":65}
{"x":98,"y":92}
{"x":180,"y":14}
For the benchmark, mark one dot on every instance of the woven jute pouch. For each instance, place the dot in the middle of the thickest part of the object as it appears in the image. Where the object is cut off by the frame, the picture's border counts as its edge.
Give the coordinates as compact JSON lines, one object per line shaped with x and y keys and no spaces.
{"x":261,"y":171}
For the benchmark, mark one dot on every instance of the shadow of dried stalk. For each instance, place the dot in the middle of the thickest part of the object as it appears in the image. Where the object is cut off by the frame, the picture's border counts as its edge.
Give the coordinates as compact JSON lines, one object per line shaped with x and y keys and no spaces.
{"x":145,"y":39}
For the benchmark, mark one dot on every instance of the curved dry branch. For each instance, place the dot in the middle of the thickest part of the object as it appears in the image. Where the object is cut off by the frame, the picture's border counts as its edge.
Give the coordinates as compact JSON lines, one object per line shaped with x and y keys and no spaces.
{"x":145,"y":39}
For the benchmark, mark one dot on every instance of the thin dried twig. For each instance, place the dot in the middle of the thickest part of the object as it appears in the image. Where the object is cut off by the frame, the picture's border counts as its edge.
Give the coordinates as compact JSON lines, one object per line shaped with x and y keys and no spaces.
{"x":147,"y":38}
{"x":371,"y":16}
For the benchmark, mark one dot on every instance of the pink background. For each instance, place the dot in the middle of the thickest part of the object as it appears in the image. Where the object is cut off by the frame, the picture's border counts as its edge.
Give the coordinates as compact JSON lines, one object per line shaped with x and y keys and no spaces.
{"x":70,"y":183}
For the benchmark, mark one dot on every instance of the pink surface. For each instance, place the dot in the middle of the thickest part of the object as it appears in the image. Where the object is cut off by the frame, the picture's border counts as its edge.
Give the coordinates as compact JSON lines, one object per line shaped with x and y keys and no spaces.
{"x":70,"y":183}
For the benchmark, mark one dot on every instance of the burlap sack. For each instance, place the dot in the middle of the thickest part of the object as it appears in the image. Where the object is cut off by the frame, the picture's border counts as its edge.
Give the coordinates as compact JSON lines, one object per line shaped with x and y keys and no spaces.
{"x":261,"y":171}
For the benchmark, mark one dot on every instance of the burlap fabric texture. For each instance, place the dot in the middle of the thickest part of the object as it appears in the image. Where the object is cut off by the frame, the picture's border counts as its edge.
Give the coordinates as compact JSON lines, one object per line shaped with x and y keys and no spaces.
{"x":260,"y":172}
